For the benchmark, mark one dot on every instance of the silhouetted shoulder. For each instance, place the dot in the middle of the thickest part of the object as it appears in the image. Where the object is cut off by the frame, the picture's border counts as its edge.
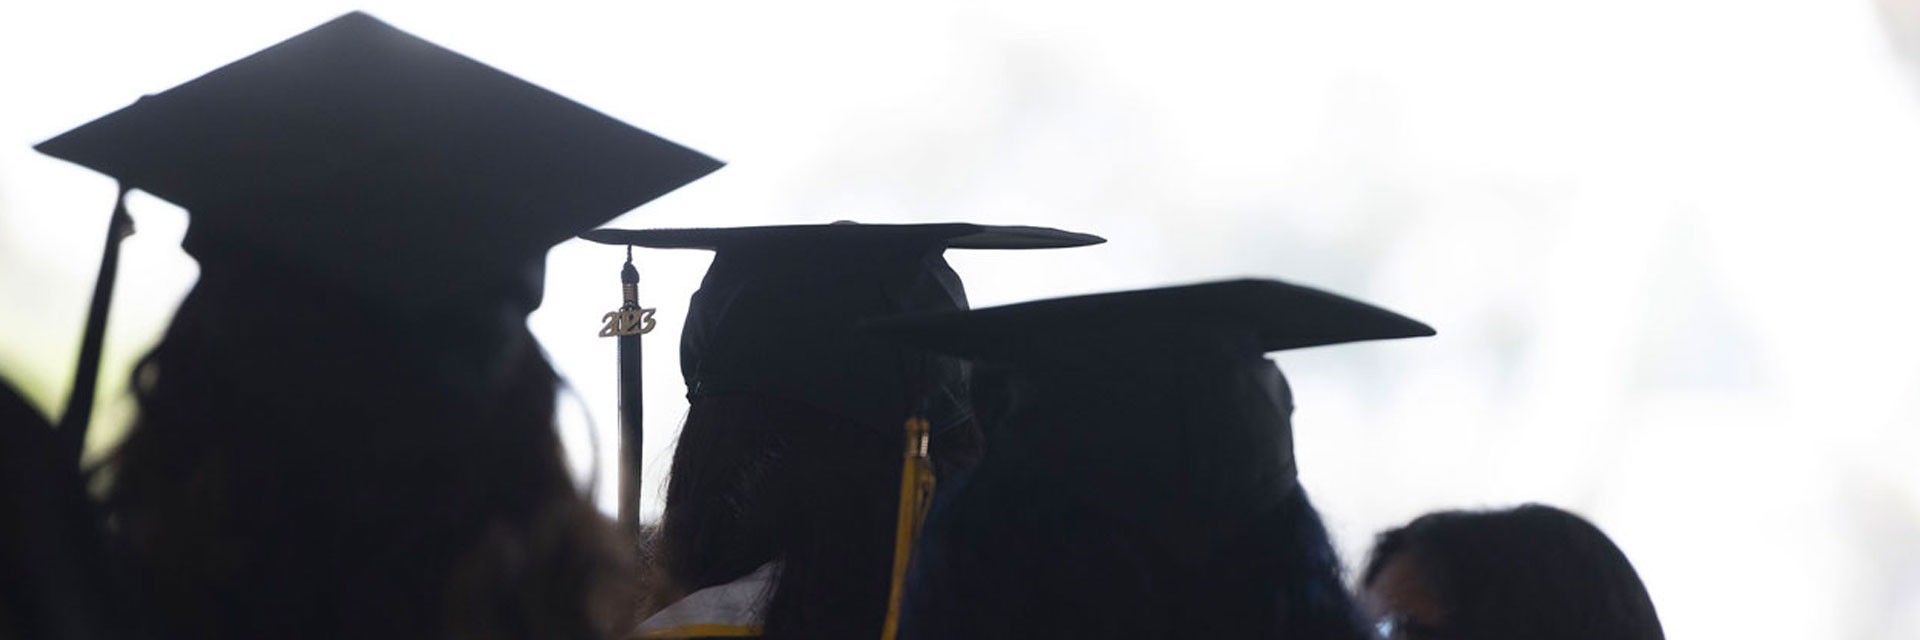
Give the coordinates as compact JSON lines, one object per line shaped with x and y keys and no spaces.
{"x":55,"y":578}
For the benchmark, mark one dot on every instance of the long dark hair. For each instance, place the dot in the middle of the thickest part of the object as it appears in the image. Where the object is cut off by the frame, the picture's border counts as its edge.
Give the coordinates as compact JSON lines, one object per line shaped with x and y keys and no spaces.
{"x":758,"y":479}
{"x":1009,"y":558}
{"x":1529,"y":572}
{"x":1105,"y":507}
{"x":315,"y":467}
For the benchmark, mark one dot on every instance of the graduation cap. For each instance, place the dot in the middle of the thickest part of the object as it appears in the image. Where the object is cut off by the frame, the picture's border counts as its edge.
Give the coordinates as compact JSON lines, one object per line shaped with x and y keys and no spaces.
{"x":1151,"y":400}
{"x":1131,"y":437}
{"x":362,"y":159}
{"x":778,"y":309}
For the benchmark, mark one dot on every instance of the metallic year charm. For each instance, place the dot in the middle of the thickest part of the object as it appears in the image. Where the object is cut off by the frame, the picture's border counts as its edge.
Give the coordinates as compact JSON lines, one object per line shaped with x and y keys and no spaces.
{"x":627,"y":322}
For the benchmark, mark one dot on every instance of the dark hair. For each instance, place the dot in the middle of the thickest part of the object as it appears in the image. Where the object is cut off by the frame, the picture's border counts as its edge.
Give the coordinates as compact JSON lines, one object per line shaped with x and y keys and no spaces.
{"x":1529,"y":572}
{"x":300,"y":468}
{"x":757,"y":479}
{"x":1012,"y":558}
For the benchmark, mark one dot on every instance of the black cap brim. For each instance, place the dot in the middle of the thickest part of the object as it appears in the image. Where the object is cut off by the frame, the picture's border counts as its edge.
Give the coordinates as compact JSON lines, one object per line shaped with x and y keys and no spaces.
{"x":954,"y":235}
{"x":1278,"y":315}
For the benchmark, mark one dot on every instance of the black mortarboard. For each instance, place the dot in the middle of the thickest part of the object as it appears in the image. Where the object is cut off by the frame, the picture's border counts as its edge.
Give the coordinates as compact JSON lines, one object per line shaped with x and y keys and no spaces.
{"x":375,"y":162}
{"x":1154,"y":399}
{"x":778,"y":310}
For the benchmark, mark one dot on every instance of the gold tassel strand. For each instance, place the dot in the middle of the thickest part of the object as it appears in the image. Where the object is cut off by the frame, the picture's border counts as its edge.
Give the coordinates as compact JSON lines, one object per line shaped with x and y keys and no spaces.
{"x":916,"y":494}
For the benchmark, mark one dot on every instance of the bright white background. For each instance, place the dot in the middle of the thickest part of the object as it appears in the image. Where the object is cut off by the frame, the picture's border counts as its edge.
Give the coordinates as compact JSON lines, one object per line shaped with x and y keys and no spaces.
{"x":1668,"y":244}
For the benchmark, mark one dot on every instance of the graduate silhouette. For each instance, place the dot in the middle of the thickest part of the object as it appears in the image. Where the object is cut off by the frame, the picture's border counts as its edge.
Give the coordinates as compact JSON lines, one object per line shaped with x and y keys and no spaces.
{"x":1139,"y":478}
{"x":347,"y":429}
{"x":784,"y":496}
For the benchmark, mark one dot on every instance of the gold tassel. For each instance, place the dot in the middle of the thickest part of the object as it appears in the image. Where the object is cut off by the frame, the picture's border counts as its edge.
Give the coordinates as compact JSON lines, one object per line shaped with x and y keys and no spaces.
{"x":916,"y":492}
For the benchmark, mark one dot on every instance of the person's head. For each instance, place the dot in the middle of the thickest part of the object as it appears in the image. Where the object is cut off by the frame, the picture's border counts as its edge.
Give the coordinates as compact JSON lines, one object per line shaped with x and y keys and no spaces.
{"x":347,"y":430}
{"x":791,"y":451}
{"x":1529,"y":572}
{"x":1104,"y":510}
{"x":302,"y":467}
{"x":1139,"y":478}
{"x":778,"y":311}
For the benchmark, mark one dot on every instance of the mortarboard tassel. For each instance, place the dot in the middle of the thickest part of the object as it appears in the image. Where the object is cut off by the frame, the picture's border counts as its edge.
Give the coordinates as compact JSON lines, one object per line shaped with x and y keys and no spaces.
{"x":86,"y":375}
{"x":916,"y":494}
{"x":627,"y":324}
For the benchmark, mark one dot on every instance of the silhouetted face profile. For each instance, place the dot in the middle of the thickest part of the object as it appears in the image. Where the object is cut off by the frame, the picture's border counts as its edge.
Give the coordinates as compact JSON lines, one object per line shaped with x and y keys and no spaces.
{"x":1518,"y":574}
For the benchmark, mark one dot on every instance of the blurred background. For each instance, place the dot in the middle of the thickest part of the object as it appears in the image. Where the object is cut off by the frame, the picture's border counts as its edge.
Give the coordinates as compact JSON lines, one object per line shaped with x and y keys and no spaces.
{"x":1669,"y":245}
